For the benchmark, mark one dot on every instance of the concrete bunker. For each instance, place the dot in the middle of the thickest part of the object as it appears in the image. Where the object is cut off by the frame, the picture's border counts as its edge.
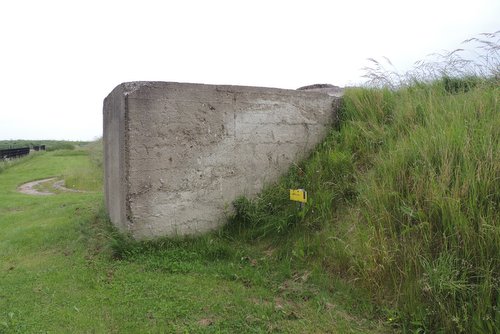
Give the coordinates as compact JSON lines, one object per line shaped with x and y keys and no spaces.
{"x":178,"y":154}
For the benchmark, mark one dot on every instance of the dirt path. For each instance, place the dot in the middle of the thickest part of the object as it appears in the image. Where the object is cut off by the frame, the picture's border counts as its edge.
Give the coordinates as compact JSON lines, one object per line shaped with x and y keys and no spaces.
{"x":59,"y":185}
{"x":29,"y":187}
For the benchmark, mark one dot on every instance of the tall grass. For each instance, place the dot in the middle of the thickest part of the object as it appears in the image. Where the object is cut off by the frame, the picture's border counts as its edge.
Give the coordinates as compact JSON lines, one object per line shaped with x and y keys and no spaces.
{"x":404,"y":199}
{"x":479,"y":57}
{"x":7,"y":163}
{"x":60,"y":146}
{"x":89,"y":176}
{"x":432,"y":199}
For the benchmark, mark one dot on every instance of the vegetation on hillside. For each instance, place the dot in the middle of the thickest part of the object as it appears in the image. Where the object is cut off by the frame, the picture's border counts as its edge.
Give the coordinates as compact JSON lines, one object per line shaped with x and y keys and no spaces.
{"x":404,"y":198}
{"x":51,"y":145}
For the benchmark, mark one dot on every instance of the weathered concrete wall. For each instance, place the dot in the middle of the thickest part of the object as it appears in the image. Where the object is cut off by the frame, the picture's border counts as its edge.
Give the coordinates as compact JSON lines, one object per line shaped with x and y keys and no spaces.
{"x":177,"y":155}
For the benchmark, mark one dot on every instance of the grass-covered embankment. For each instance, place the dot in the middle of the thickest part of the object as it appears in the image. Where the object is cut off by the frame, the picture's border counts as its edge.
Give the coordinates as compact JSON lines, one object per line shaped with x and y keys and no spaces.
{"x":404,"y":202}
{"x":63,"y":269}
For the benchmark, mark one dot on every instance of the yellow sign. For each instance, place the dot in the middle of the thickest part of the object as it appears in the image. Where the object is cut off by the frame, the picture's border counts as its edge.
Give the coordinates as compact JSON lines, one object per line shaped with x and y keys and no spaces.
{"x":298,"y":195}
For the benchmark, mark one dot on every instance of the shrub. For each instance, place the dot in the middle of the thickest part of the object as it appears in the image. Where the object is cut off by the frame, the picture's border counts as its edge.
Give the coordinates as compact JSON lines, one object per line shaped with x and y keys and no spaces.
{"x":60,"y":146}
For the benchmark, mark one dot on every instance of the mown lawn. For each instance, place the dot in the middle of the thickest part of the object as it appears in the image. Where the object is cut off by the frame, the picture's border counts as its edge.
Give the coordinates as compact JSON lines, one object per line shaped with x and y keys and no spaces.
{"x":63,"y":270}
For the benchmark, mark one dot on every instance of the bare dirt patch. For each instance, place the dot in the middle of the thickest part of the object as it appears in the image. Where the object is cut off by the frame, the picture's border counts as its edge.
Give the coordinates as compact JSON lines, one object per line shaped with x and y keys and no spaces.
{"x":59,"y":185}
{"x":32,"y":187}
{"x":29,"y":188}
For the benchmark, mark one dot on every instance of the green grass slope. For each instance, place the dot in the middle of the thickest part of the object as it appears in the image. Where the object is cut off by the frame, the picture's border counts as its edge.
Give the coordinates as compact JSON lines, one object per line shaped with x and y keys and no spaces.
{"x":64,"y":270}
{"x":404,"y":203}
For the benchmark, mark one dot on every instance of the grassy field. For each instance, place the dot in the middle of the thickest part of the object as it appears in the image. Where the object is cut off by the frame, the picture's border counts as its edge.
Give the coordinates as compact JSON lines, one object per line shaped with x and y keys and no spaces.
{"x":64,"y":270}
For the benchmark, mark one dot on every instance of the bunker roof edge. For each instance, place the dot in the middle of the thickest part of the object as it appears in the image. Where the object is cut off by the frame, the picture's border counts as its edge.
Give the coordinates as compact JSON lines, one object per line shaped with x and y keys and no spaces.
{"x":132,"y":87}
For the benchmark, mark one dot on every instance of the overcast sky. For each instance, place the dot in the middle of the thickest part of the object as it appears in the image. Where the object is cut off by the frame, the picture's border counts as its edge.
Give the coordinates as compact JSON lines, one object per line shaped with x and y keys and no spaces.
{"x":59,"y":59}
